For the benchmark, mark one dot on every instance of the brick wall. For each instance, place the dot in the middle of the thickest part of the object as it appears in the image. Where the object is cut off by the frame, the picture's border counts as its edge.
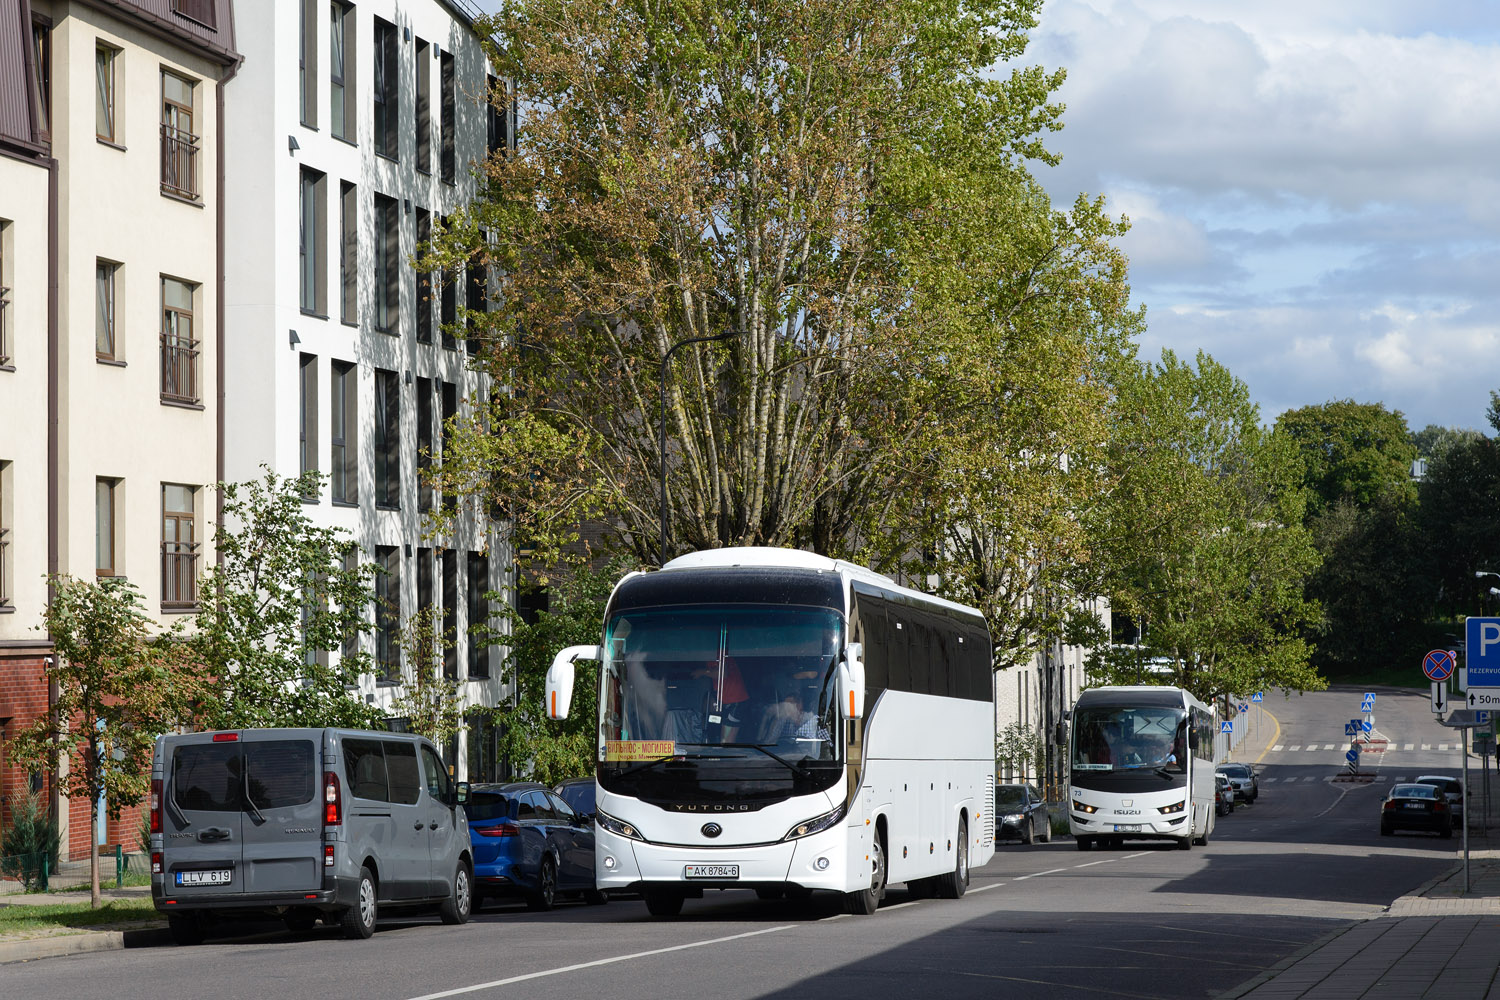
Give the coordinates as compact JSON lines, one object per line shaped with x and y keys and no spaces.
{"x":23,"y":697}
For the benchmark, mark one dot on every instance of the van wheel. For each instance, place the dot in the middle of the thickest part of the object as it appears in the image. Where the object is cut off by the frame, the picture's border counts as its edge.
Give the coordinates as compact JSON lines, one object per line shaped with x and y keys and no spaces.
{"x":300,"y":919}
{"x":1085,"y":843}
{"x":455,"y":909}
{"x":663,"y":902}
{"x":359,"y":920}
{"x":546,"y":887}
{"x":595,"y":897}
{"x":865,"y":901}
{"x":953,"y":884}
{"x":186,"y":928}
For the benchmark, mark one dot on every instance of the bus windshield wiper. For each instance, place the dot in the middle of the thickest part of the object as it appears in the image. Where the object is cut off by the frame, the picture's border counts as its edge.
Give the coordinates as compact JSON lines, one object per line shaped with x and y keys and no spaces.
{"x":798,"y":769}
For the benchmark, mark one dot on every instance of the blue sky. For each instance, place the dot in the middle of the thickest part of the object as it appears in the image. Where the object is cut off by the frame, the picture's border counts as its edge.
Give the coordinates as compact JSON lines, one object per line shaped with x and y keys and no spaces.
{"x":1314,"y":188}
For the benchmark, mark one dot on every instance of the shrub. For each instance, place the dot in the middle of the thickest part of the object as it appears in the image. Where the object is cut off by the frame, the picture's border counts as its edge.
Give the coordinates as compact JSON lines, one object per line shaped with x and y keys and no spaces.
{"x":32,"y":837}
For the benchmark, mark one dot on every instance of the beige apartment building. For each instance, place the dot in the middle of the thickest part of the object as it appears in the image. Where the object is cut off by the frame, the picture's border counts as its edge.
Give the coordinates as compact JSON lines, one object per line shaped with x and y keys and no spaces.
{"x":111,"y":333}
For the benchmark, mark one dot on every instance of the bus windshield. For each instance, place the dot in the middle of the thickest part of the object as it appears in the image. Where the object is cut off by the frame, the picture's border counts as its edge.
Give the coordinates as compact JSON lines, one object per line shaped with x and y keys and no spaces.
{"x":721,"y":682}
{"x":1114,"y":738}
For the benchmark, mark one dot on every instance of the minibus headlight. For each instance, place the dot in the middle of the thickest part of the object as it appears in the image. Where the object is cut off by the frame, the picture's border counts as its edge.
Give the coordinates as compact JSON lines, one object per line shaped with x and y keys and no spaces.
{"x":1083,"y":808}
{"x":817,"y":824}
{"x":618,"y":827}
{"x":1175,"y":807}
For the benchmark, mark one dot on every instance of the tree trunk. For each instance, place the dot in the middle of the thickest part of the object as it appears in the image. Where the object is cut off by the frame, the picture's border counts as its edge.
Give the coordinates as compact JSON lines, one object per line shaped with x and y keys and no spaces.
{"x":94,"y":899}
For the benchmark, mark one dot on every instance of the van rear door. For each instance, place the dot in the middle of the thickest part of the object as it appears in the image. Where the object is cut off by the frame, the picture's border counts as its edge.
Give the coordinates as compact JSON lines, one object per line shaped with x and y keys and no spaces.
{"x":201,"y":815}
{"x":283,"y":820}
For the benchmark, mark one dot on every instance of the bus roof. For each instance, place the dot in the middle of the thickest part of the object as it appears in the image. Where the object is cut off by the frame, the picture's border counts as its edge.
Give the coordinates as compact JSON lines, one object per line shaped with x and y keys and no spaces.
{"x":1139,"y":694}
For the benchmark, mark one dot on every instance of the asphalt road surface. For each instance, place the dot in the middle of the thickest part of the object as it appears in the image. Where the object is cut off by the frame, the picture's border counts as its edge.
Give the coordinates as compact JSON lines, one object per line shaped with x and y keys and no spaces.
{"x":1040,"y":921}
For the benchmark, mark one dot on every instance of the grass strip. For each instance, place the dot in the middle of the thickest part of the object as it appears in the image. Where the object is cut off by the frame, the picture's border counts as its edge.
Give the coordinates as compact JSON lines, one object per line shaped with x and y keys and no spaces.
{"x":23,"y":919}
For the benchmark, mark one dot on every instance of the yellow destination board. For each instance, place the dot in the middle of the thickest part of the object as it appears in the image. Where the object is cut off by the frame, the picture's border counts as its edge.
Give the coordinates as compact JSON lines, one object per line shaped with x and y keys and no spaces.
{"x":638,"y":749}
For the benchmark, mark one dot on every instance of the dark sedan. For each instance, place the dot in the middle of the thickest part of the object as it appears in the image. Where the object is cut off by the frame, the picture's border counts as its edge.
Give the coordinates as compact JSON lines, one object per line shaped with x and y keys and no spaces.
{"x":528,"y":842}
{"x":1416,"y":807}
{"x":579,"y":794}
{"x":1023,"y":814}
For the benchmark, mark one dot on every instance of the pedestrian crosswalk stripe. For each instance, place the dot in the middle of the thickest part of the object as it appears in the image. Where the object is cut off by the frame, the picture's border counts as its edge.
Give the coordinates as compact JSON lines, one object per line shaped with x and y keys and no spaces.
{"x":1294,"y":749}
{"x":1426,"y":746}
{"x":1407,"y":747}
{"x":1276,"y":747}
{"x":1330,"y":746}
{"x":1442,"y":746}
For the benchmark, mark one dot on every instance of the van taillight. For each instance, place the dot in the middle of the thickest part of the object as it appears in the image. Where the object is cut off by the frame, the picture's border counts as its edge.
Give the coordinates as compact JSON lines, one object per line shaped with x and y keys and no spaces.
{"x":327,"y":855}
{"x":333,"y":813}
{"x":156,"y":862}
{"x":156,"y":805}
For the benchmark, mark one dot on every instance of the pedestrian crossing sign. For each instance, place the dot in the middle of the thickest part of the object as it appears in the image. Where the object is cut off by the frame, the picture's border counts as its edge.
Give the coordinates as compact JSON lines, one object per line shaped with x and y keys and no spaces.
{"x":1258,"y":696}
{"x":1226,"y":726}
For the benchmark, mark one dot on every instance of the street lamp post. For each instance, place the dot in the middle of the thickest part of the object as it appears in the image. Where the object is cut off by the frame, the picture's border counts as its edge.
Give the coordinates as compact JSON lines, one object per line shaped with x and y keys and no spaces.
{"x":662,"y":454}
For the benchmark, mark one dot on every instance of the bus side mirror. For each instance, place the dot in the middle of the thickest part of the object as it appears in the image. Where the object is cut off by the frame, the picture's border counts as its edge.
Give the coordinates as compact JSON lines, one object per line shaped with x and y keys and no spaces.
{"x":852,"y":683}
{"x":560,"y":679}
{"x":1060,"y":735}
{"x":1192,"y":739}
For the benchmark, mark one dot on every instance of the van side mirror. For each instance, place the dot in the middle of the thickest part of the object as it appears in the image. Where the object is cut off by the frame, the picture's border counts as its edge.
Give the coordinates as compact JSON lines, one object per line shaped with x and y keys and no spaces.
{"x":560,"y":679}
{"x":852,"y":683}
{"x":460,"y":793}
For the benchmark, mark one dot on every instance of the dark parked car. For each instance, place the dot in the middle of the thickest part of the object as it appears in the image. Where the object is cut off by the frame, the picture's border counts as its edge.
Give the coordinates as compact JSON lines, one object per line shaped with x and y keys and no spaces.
{"x":1023,"y":814}
{"x":1243,"y":778}
{"x":1223,"y":795}
{"x":1452,"y":789}
{"x":578,"y":793}
{"x":1416,"y":807}
{"x":528,"y":842}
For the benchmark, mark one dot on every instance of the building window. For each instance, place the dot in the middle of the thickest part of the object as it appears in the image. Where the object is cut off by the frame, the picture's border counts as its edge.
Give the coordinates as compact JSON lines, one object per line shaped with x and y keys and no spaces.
{"x":350,"y":646}
{"x":179,"y":546}
{"x":424,"y":280}
{"x":450,"y":613}
{"x":387,"y":264}
{"x":106,"y":345}
{"x":307,"y":62}
{"x":179,"y":143}
{"x":479,"y":614}
{"x":387,"y":613}
{"x":348,"y":252}
{"x":106,"y":59}
{"x":445,"y":435}
{"x":340,"y":70}
{"x":312,"y":237}
{"x":423,"y":111}
{"x":179,"y":348}
{"x":387,"y":440}
{"x":41,"y":77}
{"x":106,"y":522}
{"x":476,"y":295}
{"x":343,"y":432}
{"x":5,"y":516}
{"x":387,"y":73}
{"x":497,"y":116}
{"x":449,"y":98}
{"x":424,"y":582}
{"x":307,"y":395}
{"x":448,"y":303}
{"x":201,"y":11}
{"x":424,"y":444}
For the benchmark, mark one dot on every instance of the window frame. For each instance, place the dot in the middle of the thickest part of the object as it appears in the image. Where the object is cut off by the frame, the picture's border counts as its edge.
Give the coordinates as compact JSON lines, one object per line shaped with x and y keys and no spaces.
{"x":387,"y":614}
{"x":307,"y":419}
{"x":184,"y":352}
{"x":106,"y":310}
{"x":307,"y":62}
{"x":342,"y":105}
{"x":448,"y":98}
{"x":387,"y":439}
{"x":387,"y":271}
{"x":349,"y":253}
{"x":343,"y":432}
{"x":479,"y":613}
{"x":312,"y":241}
{"x":107,"y":489}
{"x":386,"y":89}
{"x":106,"y":91}
{"x":179,"y":144}
{"x":175,"y":551}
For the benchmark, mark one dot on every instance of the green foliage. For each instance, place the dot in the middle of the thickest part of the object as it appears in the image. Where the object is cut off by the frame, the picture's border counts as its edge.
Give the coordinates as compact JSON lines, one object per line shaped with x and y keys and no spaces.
{"x":279,"y":602}
{"x":431,"y":703}
{"x":31,"y":839}
{"x":1203,"y":536}
{"x":540,"y":748}
{"x":1020,"y":747}
{"x":1460,"y":530}
{"x":1360,"y":453}
{"x":118,"y":686}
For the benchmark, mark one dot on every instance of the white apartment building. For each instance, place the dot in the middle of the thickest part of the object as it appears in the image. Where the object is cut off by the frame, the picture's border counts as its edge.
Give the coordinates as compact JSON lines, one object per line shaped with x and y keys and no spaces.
{"x":110,"y":197}
{"x":351,"y":131}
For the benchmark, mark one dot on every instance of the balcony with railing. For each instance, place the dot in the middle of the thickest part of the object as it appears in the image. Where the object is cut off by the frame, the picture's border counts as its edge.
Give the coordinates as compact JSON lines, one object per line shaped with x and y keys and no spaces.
{"x":179,"y":369}
{"x":179,"y":574}
{"x":179,"y":163}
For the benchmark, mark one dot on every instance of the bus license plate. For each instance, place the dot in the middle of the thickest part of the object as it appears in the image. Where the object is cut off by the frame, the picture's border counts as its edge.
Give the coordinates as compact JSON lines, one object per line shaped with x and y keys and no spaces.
{"x":219,"y":876}
{"x":1127,"y":828}
{"x":711,"y":871}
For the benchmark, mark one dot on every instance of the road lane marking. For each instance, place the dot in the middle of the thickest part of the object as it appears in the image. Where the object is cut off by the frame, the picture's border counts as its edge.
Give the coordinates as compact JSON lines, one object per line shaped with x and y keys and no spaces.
{"x":836,"y":916}
{"x":1426,"y":746}
{"x":1140,"y":855}
{"x":982,"y":888}
{"x":1278,"y":747}
{"x":1294,"y":749}
{"x":899,"y":906}
{"x":1039,"y":874}
{"x":1091,"y":864}
{"x":460,"y":991}
{"x":1407,"y":747}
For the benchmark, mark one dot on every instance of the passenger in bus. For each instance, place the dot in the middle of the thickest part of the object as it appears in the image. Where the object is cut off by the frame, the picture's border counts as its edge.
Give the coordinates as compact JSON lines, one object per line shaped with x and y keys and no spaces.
{"x":730,"y":702}
{"x":793,"y":717}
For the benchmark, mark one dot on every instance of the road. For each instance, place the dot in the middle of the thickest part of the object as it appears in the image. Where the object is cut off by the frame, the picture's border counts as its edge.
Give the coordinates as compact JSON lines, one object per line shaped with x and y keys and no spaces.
{"x":1039,"y":921}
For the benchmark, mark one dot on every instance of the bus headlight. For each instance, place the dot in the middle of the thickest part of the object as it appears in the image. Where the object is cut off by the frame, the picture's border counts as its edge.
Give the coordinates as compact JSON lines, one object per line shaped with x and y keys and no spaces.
{"x":1083,"y":808}
{"x":618,"y":827}
{"x":817,"y":824}
{"x":1175,"y":807}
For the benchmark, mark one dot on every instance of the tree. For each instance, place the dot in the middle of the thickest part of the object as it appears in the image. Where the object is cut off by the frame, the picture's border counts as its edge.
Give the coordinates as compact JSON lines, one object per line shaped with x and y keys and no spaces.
{"x":1202,"y":536}
{"x":688,"y":169}
{"x":431,"y":704}
{"x":1351,"y":451}
{"x":1460,"y":529}
{"x":285,"y":594}
{"x":1019,"y":747}
{"x":118,"y":686}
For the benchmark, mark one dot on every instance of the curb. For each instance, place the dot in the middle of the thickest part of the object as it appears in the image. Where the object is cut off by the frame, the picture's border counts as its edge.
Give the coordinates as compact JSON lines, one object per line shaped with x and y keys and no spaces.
{"x":81,"y":944}
{"x":1286,"y":963}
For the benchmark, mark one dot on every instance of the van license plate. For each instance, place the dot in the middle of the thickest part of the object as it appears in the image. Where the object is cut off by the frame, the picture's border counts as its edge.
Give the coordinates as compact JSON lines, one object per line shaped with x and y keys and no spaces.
{"x":218,"y":876}
{"x":711,"y":871}
{"x":1127,"y":828}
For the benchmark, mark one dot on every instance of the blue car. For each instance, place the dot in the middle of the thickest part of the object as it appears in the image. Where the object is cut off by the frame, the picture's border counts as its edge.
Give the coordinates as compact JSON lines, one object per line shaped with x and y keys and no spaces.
{"x":528,"y":842}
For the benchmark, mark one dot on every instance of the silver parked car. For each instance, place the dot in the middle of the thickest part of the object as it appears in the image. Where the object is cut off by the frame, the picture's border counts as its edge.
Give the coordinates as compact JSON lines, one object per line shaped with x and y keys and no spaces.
{"x":304,"y":824}
{"x":1243,"y":779}
{"x":1453,"y":791}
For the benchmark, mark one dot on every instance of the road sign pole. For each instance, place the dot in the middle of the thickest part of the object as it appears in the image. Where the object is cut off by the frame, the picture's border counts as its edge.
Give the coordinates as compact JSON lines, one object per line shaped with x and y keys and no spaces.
{"x":1464,"y":747}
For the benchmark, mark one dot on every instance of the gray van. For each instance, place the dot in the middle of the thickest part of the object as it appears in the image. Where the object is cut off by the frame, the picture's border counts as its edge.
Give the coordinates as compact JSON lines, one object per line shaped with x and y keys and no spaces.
{"x":305,"y":824}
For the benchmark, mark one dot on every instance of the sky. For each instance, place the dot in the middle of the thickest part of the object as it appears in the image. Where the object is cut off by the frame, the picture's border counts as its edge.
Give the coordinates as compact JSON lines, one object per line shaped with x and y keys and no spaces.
{"x":1313,"y":187}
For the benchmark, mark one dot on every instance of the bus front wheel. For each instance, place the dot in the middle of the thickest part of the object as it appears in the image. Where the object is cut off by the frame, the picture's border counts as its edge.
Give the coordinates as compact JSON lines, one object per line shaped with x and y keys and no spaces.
{"x":1085,"y":843}
{"x":663,"y":902}
{"x":865,"y":901}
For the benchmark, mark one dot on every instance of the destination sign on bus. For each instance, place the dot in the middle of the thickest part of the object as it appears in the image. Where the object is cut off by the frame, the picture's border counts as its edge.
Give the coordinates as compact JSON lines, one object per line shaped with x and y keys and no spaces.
{"x":628,"y":750}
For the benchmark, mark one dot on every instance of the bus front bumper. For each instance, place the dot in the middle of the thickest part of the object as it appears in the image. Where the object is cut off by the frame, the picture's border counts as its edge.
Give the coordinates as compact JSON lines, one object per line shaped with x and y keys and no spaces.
{"x":816,"y":862}
{"x":1084,"y":826}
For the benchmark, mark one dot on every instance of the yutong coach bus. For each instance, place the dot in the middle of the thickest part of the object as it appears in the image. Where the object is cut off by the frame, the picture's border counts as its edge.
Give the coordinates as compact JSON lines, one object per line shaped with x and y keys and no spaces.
{"x":1142,"y":767}
{"x":775,"y":720}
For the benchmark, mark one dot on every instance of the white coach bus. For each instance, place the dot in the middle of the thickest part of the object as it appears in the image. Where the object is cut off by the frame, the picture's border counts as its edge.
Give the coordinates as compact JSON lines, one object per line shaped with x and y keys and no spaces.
{"x":1142,"y":767}
{"x":774,"y":720}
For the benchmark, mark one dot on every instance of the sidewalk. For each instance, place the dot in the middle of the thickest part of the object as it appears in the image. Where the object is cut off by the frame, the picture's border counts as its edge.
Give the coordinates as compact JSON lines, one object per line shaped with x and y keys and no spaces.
{"x":56,"y":941}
